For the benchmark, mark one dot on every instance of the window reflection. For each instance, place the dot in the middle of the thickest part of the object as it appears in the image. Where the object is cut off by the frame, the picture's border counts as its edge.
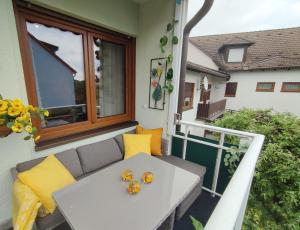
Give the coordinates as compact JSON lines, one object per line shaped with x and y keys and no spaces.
{"x":59,"y":73}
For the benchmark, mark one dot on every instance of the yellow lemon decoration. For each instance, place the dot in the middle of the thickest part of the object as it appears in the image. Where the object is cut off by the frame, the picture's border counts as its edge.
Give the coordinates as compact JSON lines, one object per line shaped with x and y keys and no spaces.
{"x":147,"y":177}
{"x":134,"y":187}
{"x":127,"y":175}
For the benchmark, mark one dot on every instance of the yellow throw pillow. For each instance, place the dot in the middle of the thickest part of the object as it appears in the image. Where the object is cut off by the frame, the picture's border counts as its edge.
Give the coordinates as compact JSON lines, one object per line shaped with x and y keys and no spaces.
{"x":45,"y":178}
{"x":136,"y":143}
{"x":155,"y":140}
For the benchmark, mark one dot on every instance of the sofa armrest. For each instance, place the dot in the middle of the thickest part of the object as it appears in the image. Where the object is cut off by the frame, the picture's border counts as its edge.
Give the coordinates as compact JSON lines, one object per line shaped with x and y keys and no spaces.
{"x":14,"y":173}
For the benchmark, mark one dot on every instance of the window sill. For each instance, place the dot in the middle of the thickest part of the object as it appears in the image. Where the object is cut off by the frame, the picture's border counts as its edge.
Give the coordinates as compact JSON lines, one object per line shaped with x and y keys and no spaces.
{"x":42,"y":145}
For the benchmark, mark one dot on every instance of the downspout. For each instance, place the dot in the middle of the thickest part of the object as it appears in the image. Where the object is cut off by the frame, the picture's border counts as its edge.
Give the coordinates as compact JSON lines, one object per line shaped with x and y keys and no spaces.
{"x":185,"y":42}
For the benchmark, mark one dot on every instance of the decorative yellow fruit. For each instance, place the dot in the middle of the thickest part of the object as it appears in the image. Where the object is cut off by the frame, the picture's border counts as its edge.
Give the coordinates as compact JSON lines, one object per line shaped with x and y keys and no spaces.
{"x":134,"y":187}
{"x":127,"y":175}
{"x":147,"y":177}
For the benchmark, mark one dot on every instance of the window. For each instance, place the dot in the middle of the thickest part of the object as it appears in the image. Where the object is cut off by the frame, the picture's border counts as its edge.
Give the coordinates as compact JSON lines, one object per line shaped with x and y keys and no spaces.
{"x":235,"y":54}
{"x":84,"y":75}
{"x":188,"y":96}
{"x":265,"y":86}
{"x":293,"y":87}
{"x":230,"y":90}
{"x":205,"y":94}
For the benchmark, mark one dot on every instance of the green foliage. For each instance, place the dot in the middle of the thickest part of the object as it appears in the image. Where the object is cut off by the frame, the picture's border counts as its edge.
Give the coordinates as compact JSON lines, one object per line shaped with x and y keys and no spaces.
{"x":163,"y":42}
{"x":157,"y":94}
{"x":274,"y":202}
{"x":197,"y":225}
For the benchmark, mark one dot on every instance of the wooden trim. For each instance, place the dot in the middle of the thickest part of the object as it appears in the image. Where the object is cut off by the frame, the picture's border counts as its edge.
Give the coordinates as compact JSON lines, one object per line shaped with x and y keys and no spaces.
{"x":27,"y":11}
{"x":42,"y":145}
{"x":185,"y":108}
{"x":265,"y":90}
{"x":283,"y":89}
{"x":231,"y":95}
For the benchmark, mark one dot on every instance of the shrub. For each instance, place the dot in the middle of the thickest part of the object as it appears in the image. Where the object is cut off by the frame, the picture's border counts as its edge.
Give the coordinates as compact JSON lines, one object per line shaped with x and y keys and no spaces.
{"x":274,"y":202}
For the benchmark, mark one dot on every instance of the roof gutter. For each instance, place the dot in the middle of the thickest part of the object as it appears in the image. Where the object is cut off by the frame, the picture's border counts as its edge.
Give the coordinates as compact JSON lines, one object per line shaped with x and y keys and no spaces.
{"x":185,"y":42}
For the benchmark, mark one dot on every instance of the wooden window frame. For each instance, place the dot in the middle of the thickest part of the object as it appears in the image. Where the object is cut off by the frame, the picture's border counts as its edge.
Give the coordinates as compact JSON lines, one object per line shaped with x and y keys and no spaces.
{"x":231,"y":95}
{"x":185,"y":108}
{"x":28,"y":12}
{"x":283,"y":89}
{"x":265,"y":90}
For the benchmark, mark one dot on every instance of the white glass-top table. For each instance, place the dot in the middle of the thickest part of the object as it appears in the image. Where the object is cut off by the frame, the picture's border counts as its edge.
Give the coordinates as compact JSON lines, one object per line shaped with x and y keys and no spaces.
{"x":101,"y":200}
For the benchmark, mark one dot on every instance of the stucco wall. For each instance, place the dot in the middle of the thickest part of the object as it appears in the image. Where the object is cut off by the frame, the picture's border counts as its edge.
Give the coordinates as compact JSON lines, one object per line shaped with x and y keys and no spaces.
{"x":279,"y":101}
{"x":117,"y":14}
{"x":152,"y":25}
{"x":196,"y":56}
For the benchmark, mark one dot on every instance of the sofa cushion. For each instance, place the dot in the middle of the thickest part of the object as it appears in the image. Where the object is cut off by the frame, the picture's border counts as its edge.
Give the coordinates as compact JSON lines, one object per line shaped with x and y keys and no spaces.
{"x":120,"y":141}
{"x":68,"y":158}
{"x":98,"y":155}
{"x":184,"y":164}
{"x":50,"y":221}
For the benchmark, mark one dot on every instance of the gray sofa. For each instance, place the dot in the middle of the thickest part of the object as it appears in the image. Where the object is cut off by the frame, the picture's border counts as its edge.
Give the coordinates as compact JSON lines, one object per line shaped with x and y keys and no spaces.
{"x":88,"y":159}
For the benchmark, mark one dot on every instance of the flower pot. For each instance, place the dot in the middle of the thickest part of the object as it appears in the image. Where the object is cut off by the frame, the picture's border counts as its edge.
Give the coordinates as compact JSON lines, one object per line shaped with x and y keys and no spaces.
{"x":4,"y":131}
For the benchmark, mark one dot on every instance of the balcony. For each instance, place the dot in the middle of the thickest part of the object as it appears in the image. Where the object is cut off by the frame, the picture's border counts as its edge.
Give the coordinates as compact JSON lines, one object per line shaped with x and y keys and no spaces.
{"x":227,"y":193}
{"x":211,"y":111}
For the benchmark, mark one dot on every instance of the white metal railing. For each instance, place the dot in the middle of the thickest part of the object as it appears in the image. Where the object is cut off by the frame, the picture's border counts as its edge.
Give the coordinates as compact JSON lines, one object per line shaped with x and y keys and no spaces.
{"x":230,"y":210}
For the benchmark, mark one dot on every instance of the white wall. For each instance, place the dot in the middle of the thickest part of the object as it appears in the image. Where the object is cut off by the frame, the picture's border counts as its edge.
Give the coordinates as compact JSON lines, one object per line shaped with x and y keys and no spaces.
{"x":196,"y":56}
{"x":279,"y":101}
{"x":154,"y":17}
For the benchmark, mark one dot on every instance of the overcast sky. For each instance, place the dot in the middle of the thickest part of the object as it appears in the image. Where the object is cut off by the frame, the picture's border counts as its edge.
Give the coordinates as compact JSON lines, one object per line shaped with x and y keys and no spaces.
{"x":228,"y":16}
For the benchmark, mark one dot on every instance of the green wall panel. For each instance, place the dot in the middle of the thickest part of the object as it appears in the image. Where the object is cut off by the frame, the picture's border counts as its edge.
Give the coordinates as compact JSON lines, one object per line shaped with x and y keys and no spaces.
{"x":203,"y":155}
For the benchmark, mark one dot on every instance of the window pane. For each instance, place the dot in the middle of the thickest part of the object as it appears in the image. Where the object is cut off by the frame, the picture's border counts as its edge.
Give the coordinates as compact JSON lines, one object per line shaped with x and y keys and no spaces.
{"x":236,"y":55}
{"x":265,"y":86}
{"x":230,"y":90}
{"x":292,"y":87}
{"x":58,"y":65}
{"x":109,"y":63}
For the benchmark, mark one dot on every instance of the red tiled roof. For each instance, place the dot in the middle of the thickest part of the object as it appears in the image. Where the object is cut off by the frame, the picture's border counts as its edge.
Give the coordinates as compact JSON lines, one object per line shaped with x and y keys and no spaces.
{"x":269,"y":49}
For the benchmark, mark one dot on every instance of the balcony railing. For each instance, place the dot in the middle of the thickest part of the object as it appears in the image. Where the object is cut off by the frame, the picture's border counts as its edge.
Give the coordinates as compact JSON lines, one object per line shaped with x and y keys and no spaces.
{"x":211,"y":111}
{"x":230,"y":210}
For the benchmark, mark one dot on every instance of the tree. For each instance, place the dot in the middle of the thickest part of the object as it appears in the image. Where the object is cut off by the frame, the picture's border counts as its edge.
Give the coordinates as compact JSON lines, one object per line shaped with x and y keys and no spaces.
{"x":274,"y":201}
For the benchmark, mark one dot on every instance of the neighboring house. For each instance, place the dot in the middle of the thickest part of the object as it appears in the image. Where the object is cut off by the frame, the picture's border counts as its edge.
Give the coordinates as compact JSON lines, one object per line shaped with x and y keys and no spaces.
{"x":45,"y":58}
{"x":263,"y":69}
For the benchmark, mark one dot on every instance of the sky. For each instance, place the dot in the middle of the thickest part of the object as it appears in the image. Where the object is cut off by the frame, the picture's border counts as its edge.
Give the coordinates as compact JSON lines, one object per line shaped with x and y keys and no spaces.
{"x":229,"y":16}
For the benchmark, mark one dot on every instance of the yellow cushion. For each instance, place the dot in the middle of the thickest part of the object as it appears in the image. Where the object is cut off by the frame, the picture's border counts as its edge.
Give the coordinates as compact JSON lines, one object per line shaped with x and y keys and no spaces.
{"x":45,"y":178}
{"x":25,"y":206}
{"x":155,"y":140}
{"x":136,"y":143}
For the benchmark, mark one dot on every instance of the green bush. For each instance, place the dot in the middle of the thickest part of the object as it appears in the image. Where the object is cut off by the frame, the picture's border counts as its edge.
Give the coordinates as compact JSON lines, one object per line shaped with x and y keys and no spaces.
{"x":274,"y":202}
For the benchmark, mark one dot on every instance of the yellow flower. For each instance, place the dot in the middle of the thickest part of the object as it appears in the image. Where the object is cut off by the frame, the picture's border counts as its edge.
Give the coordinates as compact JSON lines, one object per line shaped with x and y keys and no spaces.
{"x":17,"y":104}
{"x":28,"y":129}
{"x":46,"y":113}
{"x":3,"y":112}
{"x":30,"y":108}
{"x":3,"y":105}
{"x":12,"y":111}
{"x":17,"y":127}
{"x":2,"y":121}
{"x":37,"y":138}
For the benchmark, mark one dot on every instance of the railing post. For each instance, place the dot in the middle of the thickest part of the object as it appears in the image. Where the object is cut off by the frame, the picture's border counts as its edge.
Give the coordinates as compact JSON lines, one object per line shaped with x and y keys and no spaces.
{"x":185,"y":142}
{"x":218,"y":164}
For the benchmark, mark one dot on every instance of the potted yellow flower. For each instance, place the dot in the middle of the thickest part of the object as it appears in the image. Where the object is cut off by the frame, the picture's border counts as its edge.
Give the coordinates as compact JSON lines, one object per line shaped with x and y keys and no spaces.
{"x":16,"y":117}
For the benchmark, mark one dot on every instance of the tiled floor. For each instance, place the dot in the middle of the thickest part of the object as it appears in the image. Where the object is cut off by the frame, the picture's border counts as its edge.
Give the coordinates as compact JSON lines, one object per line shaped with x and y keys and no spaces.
{"x":201,"y":210}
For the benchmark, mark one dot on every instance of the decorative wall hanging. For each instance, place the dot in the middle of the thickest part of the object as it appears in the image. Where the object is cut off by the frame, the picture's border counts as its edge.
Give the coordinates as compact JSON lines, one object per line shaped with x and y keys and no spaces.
{"x":158,"y":67}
